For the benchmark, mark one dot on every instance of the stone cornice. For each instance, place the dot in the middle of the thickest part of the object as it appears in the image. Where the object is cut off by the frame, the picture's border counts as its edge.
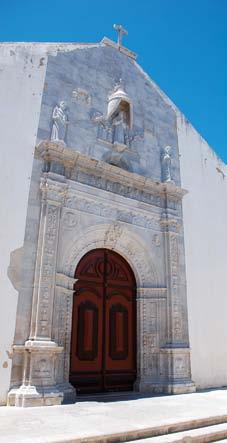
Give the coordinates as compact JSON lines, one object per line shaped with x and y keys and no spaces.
{"x":56,"y":152}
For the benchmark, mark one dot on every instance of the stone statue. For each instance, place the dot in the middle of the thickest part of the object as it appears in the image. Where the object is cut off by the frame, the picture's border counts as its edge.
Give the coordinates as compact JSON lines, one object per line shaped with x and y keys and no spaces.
{"x":120,"y":128}
{"x":166,"y":164}
{"x":119,"y":114}
{"x":116,"y":126}
{"x":60,"y":123}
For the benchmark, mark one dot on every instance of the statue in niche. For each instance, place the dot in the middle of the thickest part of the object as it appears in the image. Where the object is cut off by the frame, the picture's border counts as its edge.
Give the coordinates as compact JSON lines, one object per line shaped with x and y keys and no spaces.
{"x":116,"y":126}
{"x":166,"y":164}
{"x":119,"y":115}
{"x":60,"y":123}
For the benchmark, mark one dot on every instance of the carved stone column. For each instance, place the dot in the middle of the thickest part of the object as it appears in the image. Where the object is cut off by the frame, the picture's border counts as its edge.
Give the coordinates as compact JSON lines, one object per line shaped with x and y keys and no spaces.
{"x":175,"y":355}
{"x":40,"y":350}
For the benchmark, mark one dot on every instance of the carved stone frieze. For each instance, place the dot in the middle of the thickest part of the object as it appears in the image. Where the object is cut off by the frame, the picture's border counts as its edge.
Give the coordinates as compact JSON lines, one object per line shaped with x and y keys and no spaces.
{"x":111,"y":211}
{"x":118,"y":188}
{"x":95,"y":173}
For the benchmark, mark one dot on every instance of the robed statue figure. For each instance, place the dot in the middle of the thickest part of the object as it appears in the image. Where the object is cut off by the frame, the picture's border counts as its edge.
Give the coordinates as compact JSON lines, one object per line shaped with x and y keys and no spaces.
{"x":60,"y":123}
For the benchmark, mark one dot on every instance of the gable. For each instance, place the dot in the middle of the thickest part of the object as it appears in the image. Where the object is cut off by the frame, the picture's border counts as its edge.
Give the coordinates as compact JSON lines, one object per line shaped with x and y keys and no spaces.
{"x":85,"y":78}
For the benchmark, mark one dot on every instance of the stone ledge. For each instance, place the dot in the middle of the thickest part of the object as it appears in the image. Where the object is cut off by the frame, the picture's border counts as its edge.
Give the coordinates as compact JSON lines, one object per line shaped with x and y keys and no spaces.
{"x":49,"y":151}
{"x":43,"y":346}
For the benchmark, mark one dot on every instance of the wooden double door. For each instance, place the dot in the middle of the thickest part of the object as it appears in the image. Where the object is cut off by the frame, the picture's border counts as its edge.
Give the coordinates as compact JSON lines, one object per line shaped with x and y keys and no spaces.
{"x":103,"y":342}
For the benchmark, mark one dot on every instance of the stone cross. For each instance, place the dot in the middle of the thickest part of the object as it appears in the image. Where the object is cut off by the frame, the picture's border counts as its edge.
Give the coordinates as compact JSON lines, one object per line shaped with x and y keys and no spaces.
{"x":121,"y":31}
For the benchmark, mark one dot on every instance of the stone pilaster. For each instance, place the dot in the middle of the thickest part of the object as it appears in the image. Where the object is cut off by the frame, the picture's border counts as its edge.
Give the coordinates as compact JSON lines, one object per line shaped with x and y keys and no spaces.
{"x":40,"y":350}
{"x":175,"y":355}
{"x":151,"y":321}
{"x":62,"y":323}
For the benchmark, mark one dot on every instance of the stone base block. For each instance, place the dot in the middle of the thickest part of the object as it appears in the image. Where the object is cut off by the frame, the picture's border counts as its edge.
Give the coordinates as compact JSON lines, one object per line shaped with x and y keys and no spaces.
{"x":68,"y":391}
{"x":149,"y":386}
{"x":180,"y":387}
{"x":27,"y":396}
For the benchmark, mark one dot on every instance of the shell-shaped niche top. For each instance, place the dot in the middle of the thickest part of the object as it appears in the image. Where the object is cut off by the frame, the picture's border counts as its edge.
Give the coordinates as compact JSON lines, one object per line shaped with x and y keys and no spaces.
{"x":119,"y":102}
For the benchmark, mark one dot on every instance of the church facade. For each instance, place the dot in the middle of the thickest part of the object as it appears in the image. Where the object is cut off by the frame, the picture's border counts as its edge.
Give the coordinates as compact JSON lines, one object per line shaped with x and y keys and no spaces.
{"x":101,"y":277}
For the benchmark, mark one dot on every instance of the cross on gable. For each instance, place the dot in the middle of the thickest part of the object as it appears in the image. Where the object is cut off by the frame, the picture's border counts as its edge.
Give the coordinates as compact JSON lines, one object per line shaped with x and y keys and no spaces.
{"x":121,"y":31}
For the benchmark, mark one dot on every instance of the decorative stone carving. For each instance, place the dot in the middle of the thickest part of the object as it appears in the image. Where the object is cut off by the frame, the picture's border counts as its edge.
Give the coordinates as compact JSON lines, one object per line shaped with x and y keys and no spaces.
{"x":81,"y":96}
{"x":60,"y":123}
{"x":95,"y":173}
{"x":130,"y":246}
{"x":118,"y":120}
{"x":76,"y":216}
{"x":166,"y":164}
{"x":113,"y":211}
{"x":113,"y":234}
{"x":116,"y":127}
{"x":156,"y":240}
{"x":69,"y":220}
{"x":119,"y":114}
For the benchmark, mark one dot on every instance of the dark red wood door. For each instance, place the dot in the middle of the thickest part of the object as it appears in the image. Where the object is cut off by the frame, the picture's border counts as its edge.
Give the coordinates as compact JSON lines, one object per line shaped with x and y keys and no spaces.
{"x":103,"y":344}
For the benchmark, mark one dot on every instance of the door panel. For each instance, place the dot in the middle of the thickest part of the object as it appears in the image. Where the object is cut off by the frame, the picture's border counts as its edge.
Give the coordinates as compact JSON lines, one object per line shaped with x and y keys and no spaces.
{"x":103,"y":345}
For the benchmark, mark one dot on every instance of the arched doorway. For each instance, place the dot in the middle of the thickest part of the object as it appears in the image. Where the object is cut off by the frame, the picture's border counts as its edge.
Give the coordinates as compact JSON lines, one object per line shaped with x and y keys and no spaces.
{"x":103,"y":342}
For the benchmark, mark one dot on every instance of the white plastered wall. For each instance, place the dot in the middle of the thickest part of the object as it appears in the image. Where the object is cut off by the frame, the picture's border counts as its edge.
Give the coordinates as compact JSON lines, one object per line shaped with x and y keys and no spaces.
{"x":205,"y":227}
{"x":22,"y":71}
{"x":22,"y":76}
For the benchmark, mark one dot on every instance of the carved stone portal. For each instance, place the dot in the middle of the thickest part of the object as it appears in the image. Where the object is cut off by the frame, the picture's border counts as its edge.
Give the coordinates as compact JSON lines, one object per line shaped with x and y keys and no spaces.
{"x":148,"y":236}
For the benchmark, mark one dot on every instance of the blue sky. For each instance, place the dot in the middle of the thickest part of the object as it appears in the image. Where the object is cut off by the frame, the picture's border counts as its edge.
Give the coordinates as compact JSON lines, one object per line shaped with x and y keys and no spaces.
{"x":182,"y":44}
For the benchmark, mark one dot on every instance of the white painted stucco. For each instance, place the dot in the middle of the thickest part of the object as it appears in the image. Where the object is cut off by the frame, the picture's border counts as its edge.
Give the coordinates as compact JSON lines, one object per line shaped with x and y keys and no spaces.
{"x":21,"y":82}
{"x":204,"y":175}
{"x":22,"y":73}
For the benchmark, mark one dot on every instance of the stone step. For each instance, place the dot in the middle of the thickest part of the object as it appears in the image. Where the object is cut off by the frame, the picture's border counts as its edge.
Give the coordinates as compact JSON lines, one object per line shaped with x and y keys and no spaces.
{"x":111,"y":396}
{"x":198,"y":430}
{"x":201,"y":435}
